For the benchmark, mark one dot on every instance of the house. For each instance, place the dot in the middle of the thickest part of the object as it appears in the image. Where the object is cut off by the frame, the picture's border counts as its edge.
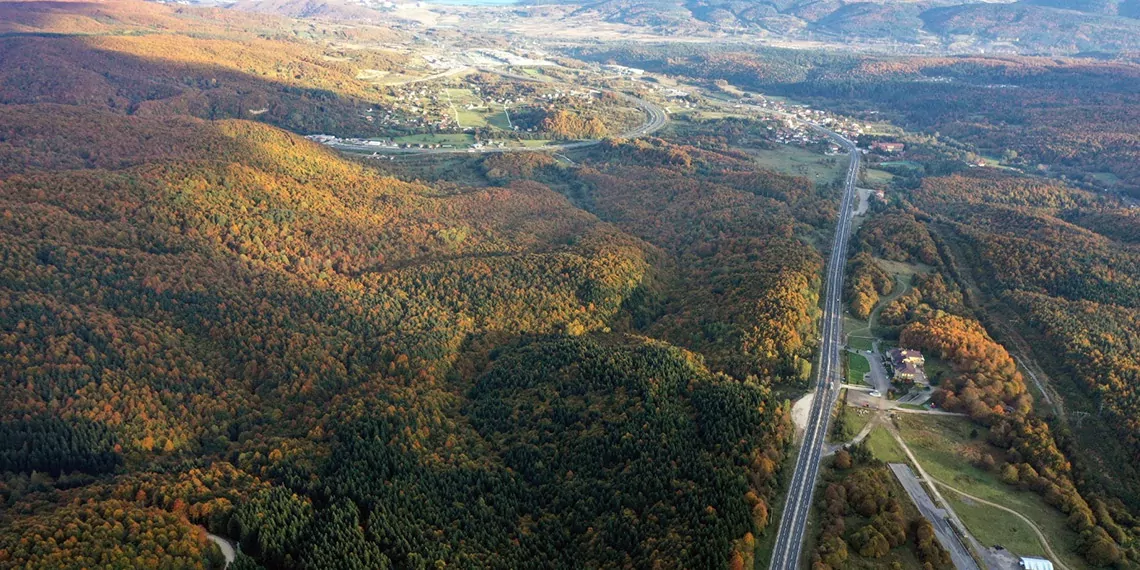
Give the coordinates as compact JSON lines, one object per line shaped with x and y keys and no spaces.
{"x":899,"y":356}
{"x":1031,"y":563}
{"x":907,"y":372}
{"x":907,"y":365}
{"x":891,"y":147}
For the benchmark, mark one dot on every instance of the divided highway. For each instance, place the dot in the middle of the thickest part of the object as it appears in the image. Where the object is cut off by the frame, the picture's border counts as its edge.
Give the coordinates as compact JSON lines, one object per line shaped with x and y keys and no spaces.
{"x":793,"y":521}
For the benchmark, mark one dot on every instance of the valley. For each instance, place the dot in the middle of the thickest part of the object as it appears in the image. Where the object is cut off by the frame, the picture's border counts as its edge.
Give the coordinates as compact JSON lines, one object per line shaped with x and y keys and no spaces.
{"x":601,"y":284}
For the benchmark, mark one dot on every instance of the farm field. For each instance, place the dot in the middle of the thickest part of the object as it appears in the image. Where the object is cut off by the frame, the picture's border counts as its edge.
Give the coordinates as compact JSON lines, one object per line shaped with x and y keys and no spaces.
{"x":439,"y":138}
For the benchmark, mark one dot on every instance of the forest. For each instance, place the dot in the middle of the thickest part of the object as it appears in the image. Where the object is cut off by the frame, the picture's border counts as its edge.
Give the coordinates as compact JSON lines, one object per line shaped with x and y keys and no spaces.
{"x":209,"y":323}
{"x":865,"y":515}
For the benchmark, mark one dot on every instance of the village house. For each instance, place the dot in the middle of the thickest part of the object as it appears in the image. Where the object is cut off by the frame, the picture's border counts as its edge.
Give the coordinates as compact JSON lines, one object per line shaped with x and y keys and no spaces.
{"x":906,"y":365}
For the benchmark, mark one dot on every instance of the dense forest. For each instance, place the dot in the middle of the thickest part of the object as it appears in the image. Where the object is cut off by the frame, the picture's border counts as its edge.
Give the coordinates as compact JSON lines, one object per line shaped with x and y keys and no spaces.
{"x":207,"y":321}
{"x":865,"y":516}
{"x":741,"y":280}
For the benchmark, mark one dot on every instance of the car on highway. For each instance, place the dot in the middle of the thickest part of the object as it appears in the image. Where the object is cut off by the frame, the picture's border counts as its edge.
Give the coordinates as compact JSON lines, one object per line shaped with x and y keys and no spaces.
{"x":876,"y":394}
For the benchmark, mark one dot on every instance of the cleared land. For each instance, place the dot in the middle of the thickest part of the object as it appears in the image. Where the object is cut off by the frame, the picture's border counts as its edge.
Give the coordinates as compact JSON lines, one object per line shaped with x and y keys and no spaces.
{"x":995,"y":526}
{"x":452,"y":138}
{"x":877,"y":178}
{"x":942,"y":444}
{"x":801,"y":162}
{"x":860,"y":342}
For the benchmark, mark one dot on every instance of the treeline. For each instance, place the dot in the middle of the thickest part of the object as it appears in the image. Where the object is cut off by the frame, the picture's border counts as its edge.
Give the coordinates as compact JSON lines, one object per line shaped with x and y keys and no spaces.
{"x":745,"y":280}
{"x":564,"y":124}
{"x":200,"y":69}
{"x":989,"y":388}
{"x":106,"y":534}
{"x":930,"y":296}
{"x":867,"y":282}
{"x":994,"y":212}
{"x":897,"y":236}
{"x":287,"y":341}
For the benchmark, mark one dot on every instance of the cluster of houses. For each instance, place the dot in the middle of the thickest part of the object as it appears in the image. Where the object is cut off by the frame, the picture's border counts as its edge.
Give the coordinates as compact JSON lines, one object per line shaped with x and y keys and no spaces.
{"x":845,"y":126}
{"x":787,"y":131}
{"x":623,"y":70}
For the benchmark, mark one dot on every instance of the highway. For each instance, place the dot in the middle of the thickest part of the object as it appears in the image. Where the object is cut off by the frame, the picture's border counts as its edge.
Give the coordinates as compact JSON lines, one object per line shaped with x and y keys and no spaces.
{"x":793,"y":520}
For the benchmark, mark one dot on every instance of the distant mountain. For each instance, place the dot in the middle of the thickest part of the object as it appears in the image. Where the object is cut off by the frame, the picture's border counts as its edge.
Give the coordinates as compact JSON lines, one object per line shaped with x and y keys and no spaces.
{"x":1037,"y":28}
{"x":1044,"y":26}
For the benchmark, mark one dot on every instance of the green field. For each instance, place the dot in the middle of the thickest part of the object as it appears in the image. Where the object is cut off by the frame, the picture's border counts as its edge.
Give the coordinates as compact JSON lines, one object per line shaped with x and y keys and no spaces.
{"x":800,"y":162}
{"x":884,"y":447}
{"x":860,"y":342}
{"x":904,"y":269}
{"x":995,"y":526}
{"x":469,"y":118}
{"x":1107,"y":178}
{"x":499,"y":120}
{"x":901,"y":164}
{"x":534,"y":143}
{"x":857,"y":366}
{"x":478,"y":116}
{"x":877,"y":178}
{"x":937,"y":369}
{"x":942,"y":444}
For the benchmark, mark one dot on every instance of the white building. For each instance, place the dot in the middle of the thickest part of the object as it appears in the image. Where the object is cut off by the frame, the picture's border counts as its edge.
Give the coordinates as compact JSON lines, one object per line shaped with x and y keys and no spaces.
{"x":1031,"y":563}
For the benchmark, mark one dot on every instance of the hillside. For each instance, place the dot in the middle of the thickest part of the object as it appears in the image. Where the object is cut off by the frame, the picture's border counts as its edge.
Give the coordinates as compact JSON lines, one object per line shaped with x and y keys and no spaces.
{"x":1031,"y":27}
{"x":208,"y":321}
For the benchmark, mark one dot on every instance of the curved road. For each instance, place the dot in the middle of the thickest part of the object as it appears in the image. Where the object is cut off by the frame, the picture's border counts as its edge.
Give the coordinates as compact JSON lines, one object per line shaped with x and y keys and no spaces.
{"x":655,"y":119}
{"x":793,"y":520}
{"x":226,"y":547}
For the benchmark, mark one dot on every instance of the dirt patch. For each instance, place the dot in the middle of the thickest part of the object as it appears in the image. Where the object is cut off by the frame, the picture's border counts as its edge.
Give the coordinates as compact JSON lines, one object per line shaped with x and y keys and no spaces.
{"x":801,"y":413}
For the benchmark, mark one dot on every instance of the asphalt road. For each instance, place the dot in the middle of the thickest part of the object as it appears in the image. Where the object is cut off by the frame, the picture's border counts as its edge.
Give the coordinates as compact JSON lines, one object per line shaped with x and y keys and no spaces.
{"x":793,"y":520}
{"x":949,"y":539}
{"x":226,"y":546}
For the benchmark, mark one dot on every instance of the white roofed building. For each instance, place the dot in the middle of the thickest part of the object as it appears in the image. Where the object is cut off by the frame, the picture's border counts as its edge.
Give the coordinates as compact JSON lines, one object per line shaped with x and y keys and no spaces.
{"x":1031,"y":563}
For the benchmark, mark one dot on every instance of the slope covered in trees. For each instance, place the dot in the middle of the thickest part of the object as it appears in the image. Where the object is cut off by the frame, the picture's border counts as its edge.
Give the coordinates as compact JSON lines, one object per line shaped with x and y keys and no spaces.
{"x":742,"y":281}
{"x":212,"y":321}
{"x":142,"y":60}
{"x":617,"y":451}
